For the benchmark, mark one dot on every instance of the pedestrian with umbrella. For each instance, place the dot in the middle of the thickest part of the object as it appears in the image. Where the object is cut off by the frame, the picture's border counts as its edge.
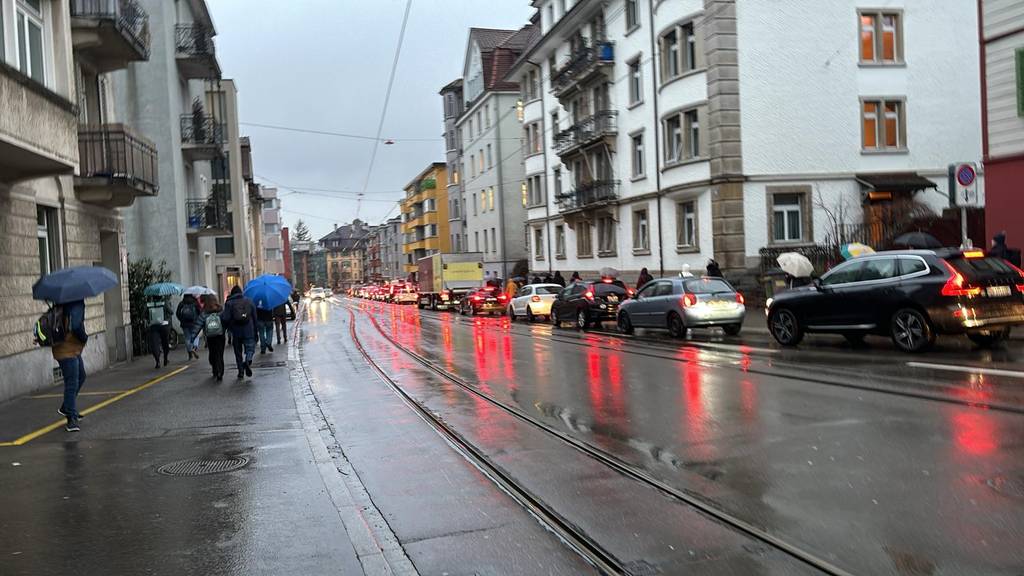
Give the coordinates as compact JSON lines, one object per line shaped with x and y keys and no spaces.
{"x":190,"y":316}
{"x":267,"y":292}
{"x":62,"y":327}
{"x":158,"y":318}
{"x":239,"y":317}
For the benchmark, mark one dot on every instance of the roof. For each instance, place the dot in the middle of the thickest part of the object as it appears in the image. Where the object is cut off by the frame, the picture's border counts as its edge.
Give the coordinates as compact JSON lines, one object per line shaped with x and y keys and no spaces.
{"x":452,"y":86}
{"x":504,"y":57}
{"x":433,"y":166}
{"x":347,"y":235}
{"x":489,"y":38}
{"x":895,"y":181}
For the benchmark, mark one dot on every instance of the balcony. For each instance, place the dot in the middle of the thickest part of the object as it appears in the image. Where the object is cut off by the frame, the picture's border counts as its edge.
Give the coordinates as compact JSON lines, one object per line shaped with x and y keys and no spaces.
{"x":195,"y":52}
{"x":588,"y":195}
{"x":209,"y":217}
{"x":582,"y":64}
{"x":116,"y":166}
{"x":38,"y":129}
{"x":110,"y":33}
{"x":202,"y":136}
{"x":591,"y":129}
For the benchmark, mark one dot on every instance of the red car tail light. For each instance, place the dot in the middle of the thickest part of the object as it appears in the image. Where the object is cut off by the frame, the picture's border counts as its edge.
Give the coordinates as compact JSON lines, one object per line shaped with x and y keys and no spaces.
{"x":630,"y":291}
{"x":476,"y":298}
{"x":589,"y":295}
{"x":957,"y":285}
{"x":502,"y":297}
{"x":689,"y":300}
{"x":740,"y":299}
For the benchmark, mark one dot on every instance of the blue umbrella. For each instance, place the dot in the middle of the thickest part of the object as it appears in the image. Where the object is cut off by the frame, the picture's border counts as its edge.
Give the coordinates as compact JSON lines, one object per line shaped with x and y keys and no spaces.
{"x":162,"y":289}
{"x":71,"y":284}
{"x":268,"y":291}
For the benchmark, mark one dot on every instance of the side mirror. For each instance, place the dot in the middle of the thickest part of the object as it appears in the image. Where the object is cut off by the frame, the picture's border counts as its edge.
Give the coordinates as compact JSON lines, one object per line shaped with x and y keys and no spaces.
{"x":817,"y":283}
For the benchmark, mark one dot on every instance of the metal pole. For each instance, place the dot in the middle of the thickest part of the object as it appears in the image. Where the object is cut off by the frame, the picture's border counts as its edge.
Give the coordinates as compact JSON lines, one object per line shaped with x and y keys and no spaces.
{"x":965,"y":242}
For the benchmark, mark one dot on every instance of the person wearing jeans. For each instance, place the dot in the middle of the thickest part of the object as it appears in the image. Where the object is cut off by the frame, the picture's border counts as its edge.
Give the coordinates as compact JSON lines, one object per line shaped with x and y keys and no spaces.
{"x":265,"y":328}
{"x":239,"y":317}
{"x":68,"y":354}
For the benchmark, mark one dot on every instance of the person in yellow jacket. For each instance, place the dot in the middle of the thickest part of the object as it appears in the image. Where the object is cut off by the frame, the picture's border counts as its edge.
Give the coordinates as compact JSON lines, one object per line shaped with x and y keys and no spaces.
{"x":68,"y":354}
{"x":511,"y":288}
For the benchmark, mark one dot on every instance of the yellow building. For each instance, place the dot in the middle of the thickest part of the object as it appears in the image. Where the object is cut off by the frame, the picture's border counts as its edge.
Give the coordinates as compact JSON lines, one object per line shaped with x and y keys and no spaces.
{"x":425,"y":216}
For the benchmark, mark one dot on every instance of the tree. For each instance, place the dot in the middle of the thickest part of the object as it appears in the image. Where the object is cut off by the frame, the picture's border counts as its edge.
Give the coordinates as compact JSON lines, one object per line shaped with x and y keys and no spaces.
{"x":142,"y":273}
{"x":302,"y":232}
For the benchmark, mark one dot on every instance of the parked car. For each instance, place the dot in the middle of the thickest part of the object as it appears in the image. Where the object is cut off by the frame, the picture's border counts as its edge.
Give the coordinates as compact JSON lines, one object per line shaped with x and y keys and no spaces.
{"x":677,"y":304}
{"x":533,"y":300}
{"x":487,"y":299}
{"x":909,"y":295}
{"x":587,"y":303}
{"x":403,"y":293}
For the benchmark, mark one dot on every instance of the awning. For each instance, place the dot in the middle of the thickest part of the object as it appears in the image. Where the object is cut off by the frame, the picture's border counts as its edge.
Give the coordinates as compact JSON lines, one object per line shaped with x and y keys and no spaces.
{"x":895,"y":181}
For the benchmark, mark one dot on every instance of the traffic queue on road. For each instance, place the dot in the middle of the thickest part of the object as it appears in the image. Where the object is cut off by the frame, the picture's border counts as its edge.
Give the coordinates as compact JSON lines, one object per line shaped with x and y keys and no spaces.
{"x":910,"y":296}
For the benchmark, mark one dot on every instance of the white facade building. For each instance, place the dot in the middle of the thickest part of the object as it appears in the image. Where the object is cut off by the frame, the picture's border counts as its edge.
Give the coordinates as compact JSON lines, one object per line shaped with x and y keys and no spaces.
{"x":676,"y":132}
{"x":273,"y":254}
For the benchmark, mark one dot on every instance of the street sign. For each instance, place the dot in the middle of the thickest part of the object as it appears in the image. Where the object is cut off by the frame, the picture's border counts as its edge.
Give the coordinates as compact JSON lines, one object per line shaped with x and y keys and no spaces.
{"x":963,"y":185}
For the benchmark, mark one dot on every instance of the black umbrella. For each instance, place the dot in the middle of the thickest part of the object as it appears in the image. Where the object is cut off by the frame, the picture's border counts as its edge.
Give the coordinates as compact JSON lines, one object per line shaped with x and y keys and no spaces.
{"x":919,"y":240}
{"x":71,"y":284}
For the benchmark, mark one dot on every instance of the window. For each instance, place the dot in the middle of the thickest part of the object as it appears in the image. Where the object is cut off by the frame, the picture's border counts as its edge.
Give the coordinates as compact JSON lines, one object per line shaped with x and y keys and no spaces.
{"x":490,"y":198}
{"x":583,"y":239}
{"x":844,"y":273}
{"x":679,"y":51}
{"x":224,"y":245}
{"x":641,"y":239}
{"x":535,"y":190}
{"x":551,"y":15}
{"x":881,"y":37}
{"x":912,"y":266}
{"x":636,"y":86}
{"x":880,"y":269}
{"x":490,"y":159}
{"x":46,"y":236}
{"x":554,"y":127}
{"x":479,"y":123}
{"x":787,"y":217}
{"x":271,"y":229}
{"x":470,"y":127}
{"x":682,"y":136}
{"x":686,"y":224}
{"x":605,"y":235}
{"x":474,"y":203}
{"x":487,"y":115}
{"x":483,"y":200}
{"x":632,"y":15}
{"x":431,"y":230}
{"x":29,"y":15}
{"x":472,"y":164}
{"x":476,"y":241}
{"x":430,"y":205}
{"x":494,"y":240}
{"x":692,"y":126}
{"x":638,"y":155}
{"x":533,"y":138}
{"x":883,"y":125}
{"x":558,"y":182}
{"x":538,"y":243}
{"x":560,"y":241}
{"x":270,"y":253}
{"x":480,"y":162}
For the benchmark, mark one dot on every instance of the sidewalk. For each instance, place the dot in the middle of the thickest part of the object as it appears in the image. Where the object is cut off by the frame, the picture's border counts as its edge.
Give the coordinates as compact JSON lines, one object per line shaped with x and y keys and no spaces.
{"x":96,"y":502}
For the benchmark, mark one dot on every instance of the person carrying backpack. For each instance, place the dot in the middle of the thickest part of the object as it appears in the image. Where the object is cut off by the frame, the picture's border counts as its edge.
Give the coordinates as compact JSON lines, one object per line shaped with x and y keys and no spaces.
{"x":281,"y":314}
{"x":215,"y":334}
{"x":68,"y":354}
{"x":158,"y":325}
{"x":239,"y":317}
{"x":189,"y":316}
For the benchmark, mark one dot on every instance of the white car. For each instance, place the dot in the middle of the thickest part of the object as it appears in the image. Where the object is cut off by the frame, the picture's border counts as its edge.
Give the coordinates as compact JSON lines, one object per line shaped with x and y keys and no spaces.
{"x":317,"y":294}
{"x":533,"y":300}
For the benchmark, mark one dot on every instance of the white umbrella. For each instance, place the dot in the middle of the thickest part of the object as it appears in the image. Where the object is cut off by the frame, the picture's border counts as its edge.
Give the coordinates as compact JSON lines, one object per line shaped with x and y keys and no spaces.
{"x":609,"y":272}
{"x":795,"y":264}
{"x":198,"y":291}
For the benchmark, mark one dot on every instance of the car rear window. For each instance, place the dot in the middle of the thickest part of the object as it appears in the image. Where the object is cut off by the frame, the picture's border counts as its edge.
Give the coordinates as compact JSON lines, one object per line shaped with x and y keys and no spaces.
{"x":603,"y":289}
{"x":547,"y":290}
{"x":707,"y":286}
{"x":982,"y":267}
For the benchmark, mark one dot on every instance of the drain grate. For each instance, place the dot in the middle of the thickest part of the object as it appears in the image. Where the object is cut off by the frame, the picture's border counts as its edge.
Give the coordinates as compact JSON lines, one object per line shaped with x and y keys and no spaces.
{"x":270,"y":364}
{"x":200,"y":467}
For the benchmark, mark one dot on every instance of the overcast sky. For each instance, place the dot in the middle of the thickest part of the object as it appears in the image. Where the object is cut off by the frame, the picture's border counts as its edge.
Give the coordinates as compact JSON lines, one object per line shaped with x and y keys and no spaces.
{"x":323,"y":65}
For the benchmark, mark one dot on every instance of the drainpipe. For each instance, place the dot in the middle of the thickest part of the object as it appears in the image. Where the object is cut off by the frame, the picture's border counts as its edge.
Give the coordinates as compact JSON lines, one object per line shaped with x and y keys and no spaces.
{"x":657,"y":138}
{"x":547,"y":204}
{"x":501,"y":195}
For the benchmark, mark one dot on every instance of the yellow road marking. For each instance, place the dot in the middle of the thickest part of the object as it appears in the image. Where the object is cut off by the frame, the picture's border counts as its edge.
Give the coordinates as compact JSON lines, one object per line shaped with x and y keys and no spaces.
{"x":50,"y":428}
{"x":39,"y":396}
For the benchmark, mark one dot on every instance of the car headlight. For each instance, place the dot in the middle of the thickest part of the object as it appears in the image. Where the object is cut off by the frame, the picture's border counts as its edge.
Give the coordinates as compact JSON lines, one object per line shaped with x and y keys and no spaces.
{"x":768,"y":305}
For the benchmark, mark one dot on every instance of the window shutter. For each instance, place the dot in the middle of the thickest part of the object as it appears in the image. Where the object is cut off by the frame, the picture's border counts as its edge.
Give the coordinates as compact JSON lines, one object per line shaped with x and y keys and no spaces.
{"x":704,"y":134}
{"x":1020,"y":82}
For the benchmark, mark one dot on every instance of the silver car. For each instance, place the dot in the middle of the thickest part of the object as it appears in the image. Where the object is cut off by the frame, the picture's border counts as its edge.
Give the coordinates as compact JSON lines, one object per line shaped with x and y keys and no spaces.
{"x":677,"y":304}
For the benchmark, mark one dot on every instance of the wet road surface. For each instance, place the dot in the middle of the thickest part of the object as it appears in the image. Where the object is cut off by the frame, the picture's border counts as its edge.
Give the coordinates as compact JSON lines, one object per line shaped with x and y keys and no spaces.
{"x":850,"y":455}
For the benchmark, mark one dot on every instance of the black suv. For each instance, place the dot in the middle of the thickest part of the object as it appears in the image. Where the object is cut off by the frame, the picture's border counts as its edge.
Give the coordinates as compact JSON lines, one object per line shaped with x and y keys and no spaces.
{"x":909,"y":295}
{"x":586,"y":303}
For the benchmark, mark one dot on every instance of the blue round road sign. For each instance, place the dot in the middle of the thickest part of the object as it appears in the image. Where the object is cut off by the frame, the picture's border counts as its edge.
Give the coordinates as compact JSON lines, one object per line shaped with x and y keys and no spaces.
{"x":965,"y":175}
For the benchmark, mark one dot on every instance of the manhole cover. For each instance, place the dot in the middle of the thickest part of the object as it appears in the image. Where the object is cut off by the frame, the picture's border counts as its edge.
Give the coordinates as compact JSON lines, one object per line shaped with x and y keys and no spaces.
{"x":202,"y":467}
{"x":1007,"y":485}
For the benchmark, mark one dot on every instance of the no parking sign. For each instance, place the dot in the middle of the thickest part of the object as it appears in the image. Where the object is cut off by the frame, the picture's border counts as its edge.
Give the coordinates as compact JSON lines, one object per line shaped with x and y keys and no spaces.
{"x":963,"y":185}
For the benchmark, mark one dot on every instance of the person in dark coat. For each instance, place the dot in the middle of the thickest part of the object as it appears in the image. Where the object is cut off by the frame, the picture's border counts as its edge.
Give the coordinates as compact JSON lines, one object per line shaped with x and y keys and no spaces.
{"x":158,"y":320}
{"x":214,"y":340}
{"x":536,"y":279}
{"x":575,"y":277}
{"x":281,"y":314}
{"x":189,"y":316}
{"x":644,"y":278}
{"x":239,"y":317}
{"x":265,"y":329}
{"x":548,"y":279}
{"x":559,"y":279}
{"x":714,"y":270}
{"x":999,"y":248}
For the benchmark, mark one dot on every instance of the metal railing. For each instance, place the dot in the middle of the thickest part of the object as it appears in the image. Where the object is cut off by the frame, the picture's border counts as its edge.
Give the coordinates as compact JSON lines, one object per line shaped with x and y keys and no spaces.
{"x":129,"y":16}
{"x":194,"y":40}
{"x":198,"y":128}
{"x":209,"y":214}
{"x":113,"y":151}
{"x":588,"y":194}
{"x":580,"y":63}
{"x":592,"y":128}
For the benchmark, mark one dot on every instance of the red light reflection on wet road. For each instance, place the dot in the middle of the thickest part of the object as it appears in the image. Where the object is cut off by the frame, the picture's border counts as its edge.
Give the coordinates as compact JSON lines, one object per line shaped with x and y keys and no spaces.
{"x":975,"y":432}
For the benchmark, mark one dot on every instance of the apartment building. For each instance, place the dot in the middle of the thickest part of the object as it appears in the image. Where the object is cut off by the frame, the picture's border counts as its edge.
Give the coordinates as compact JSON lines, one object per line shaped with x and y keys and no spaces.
{"x":69,"y":163}
{"x":451,"y":97}
{"x":255,"y":208}
{"x":675,"y":132}
{"x":391,"y":256}
{"x":273,"y":246}
{"x":1002,"y":70}
{"x":343,"y":254}
{"x":425,"y":217}
{"x":492,"y":155}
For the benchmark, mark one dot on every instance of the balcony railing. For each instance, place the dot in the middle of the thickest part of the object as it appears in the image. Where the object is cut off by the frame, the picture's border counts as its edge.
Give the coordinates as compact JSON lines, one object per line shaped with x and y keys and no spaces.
{"x":588,"y":195}
{"x":202,"y":129}
{"x":581,"y":63}
{"x":116,"y":165}
{"x":209,"y":216}
{"x":197,"y":57}
{"x":130,"y":20}
{"x":586,"y":131}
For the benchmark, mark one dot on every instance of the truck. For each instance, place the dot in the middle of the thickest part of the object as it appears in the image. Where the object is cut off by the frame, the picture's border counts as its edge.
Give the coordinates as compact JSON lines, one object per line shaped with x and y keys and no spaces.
{"x":444,"y":279}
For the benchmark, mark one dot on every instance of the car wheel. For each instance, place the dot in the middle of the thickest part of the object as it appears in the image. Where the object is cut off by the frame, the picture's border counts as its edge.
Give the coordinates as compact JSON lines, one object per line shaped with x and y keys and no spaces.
{"x":911,"y":331}
{"x":529,"y":314}
{"x":676,"y":327}
{"x":555,"y":320}
{"x":511,"y":313}
{"x":856,"y":339}
{"x":581,"y":320}
{"x":462,"y":309}
{"x":625,"y":326}
{"x":732,"y":329}
{"x":785,"y":327}
{"x":989,"y":338}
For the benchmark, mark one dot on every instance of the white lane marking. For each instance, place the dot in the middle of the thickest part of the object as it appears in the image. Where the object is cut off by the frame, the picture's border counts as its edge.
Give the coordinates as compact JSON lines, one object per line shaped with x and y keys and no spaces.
{"x":732,"y":347}
{"x":967,"y":369}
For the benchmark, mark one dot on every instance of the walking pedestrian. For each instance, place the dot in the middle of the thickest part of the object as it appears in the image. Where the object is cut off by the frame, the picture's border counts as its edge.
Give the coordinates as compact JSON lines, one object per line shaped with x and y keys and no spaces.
{"x":281,"y":314}
{"x":239,"y":317}
{"x":536,"y":279}
{"x":158,"y":318}
{"x":714,"y":270}
{"x":644,"y":278}
{"x":68,"y":354}
{"x":265,"y":329}
{"x":189,"y":316}
{"x":548,"y":279}
{"x":215,"y":338}
{"x":559,"y":279}
{"x":575,"y":277}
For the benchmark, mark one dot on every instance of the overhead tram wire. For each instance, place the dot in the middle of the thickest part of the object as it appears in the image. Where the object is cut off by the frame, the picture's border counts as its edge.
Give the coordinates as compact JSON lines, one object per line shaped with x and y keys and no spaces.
{"x":387,"y":100}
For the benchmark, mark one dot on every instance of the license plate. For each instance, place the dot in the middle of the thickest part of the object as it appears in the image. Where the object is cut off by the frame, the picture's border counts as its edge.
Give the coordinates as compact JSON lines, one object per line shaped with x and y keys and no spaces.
{"x":491,"y":300}
{"x":613,"y":298}
{"x":718,"y":304}
{"x":997,"y":291}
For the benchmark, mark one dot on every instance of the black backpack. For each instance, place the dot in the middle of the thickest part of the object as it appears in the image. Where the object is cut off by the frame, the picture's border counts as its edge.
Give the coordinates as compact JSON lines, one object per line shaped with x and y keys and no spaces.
{"x":187,"y":313}
{"x":50,"y":328}
{"x":240,"y":309}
